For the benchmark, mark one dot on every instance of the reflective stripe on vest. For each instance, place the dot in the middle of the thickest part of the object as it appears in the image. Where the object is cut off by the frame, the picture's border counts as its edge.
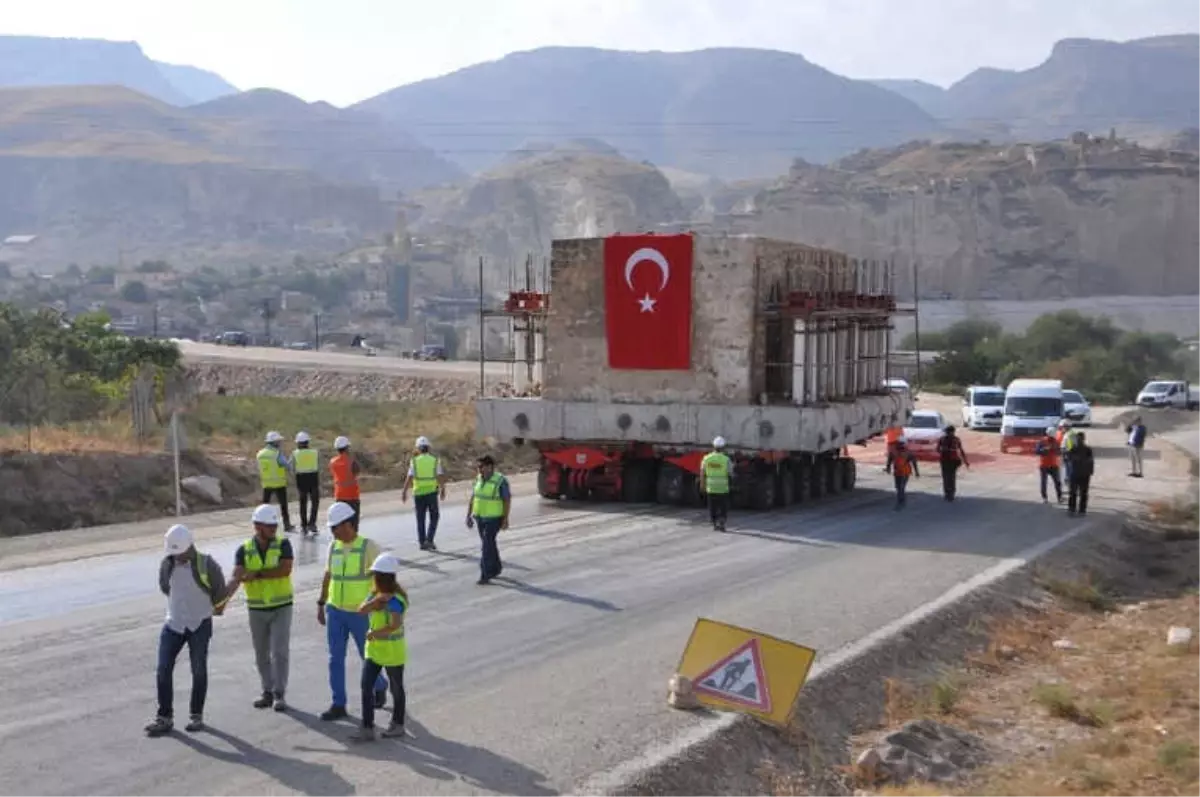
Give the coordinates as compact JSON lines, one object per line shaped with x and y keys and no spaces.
{"x":306,"y":460}
{"x":425,"y":474}
{"x":345,"y":483}
{"x":270,"y":472}
{"x":349,"y":579}
{"x":389,"y":650}
{"x":487,"y":502}
{"x":715,"y":467}
{"x":266,"y":593}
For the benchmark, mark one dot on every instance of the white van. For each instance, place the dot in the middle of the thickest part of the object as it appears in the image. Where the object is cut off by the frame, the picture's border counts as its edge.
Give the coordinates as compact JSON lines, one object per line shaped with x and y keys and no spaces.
{"x":983,"y":407}
{"x":1030,"y":405}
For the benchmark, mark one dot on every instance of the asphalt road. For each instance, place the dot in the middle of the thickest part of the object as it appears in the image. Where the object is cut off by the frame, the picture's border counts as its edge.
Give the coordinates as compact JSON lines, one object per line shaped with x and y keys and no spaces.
{"x":529,"y":686}
{"x":332,"y":361}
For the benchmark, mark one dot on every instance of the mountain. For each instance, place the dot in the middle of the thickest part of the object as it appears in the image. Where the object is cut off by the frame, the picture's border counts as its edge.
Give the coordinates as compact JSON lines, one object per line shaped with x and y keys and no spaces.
{"x":1081,"y":217}
{"x":1139,"y":87}
{"x":927,"y":96}
{"x":576,"y":189}
{"x":198,"y":85}
{"x":352,"y":146}
{"x":726,"y":112}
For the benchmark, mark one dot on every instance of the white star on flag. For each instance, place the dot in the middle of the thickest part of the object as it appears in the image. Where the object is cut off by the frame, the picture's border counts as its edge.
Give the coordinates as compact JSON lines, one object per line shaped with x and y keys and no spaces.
{"x":647,"y":303}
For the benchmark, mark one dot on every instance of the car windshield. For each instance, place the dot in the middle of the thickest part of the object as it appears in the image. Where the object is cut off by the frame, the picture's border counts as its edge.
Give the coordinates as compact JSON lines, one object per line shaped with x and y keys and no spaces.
{"x":1157,"y":387}
{"x":924,"y":422}
{"x":995,"y":399}
{"x":1073,"y":397}
{"x":1033,"y":406}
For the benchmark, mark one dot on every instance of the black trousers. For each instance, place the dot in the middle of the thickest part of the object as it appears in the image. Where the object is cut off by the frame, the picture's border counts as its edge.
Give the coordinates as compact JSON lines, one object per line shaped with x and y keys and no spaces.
{"x":281,"y":494}
{"x":1077,"y":494}
{"x":1052,"y":475}
{"x":950,"y":478}
{"x":718,"y":508}
{"x":356,"y":505}
{"x":308,"y":485}
{"x":395,"y":677}
{"x":426,"y":507}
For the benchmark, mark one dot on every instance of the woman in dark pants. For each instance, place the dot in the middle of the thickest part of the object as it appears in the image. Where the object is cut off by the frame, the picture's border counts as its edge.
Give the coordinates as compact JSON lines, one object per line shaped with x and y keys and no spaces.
{"x":386,"y":649}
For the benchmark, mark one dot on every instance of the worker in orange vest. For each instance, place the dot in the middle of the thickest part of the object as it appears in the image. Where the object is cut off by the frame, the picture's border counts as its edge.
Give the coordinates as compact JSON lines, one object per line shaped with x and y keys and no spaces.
{"x":344,"y":469}
{"x":1047,"y":451}
{"x":903,"y":465}
{"x":891,"y":437}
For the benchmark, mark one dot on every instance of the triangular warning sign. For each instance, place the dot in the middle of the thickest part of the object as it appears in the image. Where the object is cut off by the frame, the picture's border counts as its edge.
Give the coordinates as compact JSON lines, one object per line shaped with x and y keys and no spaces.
{"x":738,"y":678}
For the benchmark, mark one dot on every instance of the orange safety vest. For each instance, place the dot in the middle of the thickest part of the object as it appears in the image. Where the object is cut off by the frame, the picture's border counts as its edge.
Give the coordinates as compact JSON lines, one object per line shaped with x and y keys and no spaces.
{"x":1059,"y":435}
{"x":1050,"y":458}
{"x":345,"y":483}
{"x":902,"y":465}
{"x":892,"y":434}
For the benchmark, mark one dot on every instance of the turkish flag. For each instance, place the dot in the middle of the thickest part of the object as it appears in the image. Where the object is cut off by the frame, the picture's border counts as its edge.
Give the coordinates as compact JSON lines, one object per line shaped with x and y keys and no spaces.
{"x":648,"y":302}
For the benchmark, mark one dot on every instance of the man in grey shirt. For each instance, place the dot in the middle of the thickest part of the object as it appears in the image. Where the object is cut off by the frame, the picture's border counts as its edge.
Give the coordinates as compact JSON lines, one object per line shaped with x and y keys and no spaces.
{"x":195,"y":590}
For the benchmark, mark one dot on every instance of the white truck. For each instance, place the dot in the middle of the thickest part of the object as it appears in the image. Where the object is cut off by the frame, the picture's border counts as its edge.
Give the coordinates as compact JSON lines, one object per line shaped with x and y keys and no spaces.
{"x":783,"y":353}
{"x":1168,"y":393}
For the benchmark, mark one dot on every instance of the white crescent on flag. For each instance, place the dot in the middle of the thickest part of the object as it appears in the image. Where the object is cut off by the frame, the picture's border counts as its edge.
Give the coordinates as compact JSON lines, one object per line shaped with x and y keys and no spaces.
{"x":654,"y":256}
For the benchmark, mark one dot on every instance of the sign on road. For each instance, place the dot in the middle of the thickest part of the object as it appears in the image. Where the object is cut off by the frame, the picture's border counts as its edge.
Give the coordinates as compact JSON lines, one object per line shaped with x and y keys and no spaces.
{"x":736,"y":669}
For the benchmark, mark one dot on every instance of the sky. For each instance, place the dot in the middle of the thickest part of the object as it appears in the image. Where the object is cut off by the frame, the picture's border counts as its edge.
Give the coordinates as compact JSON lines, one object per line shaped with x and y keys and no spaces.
{"x":343,"y":51}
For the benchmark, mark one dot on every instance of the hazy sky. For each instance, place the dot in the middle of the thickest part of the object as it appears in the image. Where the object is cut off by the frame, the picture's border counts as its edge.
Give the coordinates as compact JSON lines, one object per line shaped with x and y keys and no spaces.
{"x":346,"y":50}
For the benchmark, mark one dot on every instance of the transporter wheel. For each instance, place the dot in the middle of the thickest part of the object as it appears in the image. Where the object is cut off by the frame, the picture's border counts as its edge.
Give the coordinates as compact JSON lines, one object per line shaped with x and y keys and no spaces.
{"x":544,"y":479}
{"x":762,"y":490}
{"x":785,"y":493}
{"x":669,"y":486}
{"x":816,"y":480}
{"x":832,"y":473}
{"x":849,"y":474}
{"x":638,"y":482}
{"x":800,"y":480}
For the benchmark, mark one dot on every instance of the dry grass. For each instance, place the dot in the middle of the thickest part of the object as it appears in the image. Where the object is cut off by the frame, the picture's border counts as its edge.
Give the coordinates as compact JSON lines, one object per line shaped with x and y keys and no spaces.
{"x":1179,"y":517}
{"x":1118,"y":715}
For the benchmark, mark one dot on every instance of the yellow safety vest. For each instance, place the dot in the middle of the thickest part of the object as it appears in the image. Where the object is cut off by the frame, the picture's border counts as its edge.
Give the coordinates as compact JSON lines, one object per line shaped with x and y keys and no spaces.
{"x":425,"y":474}
{"x":306,"y":460}
{"x":270,"y":472}
{"x":715,"y":467}
{"x":487,"y":501}
{"x":390,"y":650}
{"x":266,"y":593}
{"x":349,"y":577}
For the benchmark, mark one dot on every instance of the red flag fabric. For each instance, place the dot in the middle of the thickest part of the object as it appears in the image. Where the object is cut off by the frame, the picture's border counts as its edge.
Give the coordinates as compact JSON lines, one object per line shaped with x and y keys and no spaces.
{"x":648,"y":302}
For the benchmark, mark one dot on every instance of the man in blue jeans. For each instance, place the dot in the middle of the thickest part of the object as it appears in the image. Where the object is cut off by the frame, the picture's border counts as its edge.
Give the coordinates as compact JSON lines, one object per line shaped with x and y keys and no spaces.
{"x":346,"y":584}
{"x":195,"y":589}
{"x":427,"y":480}
{"x":487,"y":510}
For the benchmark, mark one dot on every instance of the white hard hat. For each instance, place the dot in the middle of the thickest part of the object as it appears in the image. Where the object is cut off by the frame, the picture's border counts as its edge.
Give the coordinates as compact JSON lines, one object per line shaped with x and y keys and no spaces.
{"x":339,"y":513}
{"x":1050,"y":430}
{"x":274,"y":437}
{"x":386,"y":563}
{"x":341,"y":442}
{"x":265,"y":514}
{"x":901,"y":439}
{"x":302,"y":437}
{"x":718,"y":442}
{"x":422,"y":442}
{"x":178,"y":539}
{"x":1064,"y":422}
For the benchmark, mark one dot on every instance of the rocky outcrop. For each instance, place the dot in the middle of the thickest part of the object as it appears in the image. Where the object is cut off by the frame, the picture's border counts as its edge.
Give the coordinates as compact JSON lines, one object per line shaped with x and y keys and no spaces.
{"x":249,"y":380}
{"x":1070,"y":218}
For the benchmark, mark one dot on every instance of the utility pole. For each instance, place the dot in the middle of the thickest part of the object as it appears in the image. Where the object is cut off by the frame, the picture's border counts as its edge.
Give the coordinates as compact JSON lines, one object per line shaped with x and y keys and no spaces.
{"x":267,"y":315}
{"x":317,"y":331}
{"x":155,"y":317}
{"x":482,"y":371}
{"x":916,"y":289}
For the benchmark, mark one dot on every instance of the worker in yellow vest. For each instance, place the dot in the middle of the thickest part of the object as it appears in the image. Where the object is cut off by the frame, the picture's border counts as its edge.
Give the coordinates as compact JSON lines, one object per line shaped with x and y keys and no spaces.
{"x":488,"y":510}
{"x":716,"y":472}
{"x":346,"y":584}
{"x":273,"y":468}
{"x":263,"y":565}
{"x":427,"y":481}
{"x":306,"y":464}
{"x":387,"y":648}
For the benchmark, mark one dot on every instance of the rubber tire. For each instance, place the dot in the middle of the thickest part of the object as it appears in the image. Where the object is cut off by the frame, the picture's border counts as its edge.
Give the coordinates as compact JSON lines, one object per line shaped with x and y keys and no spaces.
{"x":542,"y":489}
{"x":849,"y":475}
{"x":762,"y":490}
{"x":832,"y":472}
{"x":816,"y":481}
{"x":638,"y":482}
{"x":785,"y":491}
{"x":668,"y":487}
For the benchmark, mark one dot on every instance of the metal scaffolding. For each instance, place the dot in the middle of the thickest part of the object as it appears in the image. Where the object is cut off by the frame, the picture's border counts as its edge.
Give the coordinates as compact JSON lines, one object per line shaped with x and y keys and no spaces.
{"x":827,"y":326}
{"x":526,"y":307}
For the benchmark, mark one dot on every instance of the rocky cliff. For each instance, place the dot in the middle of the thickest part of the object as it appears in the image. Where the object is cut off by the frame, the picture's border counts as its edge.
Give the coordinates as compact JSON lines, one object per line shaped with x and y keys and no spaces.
{"x":1071,"y":218}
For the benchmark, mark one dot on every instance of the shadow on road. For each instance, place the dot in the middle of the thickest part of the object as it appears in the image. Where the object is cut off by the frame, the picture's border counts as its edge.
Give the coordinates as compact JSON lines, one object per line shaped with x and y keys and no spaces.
{"x":292,"y":773}
{"x":554,"y":594}
{"x":430,"y":756}
{"x":462,"y":557}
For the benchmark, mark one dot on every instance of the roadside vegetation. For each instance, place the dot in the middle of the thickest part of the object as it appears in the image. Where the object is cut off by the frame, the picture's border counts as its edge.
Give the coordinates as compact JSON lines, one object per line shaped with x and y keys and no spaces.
{"x":1090,"y":354}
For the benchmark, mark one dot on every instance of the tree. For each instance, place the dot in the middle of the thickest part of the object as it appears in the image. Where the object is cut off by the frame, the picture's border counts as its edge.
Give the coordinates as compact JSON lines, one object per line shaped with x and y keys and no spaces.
{"x":101,"y":275}
{"x":154,"y":267}
{"x":135,"y":291}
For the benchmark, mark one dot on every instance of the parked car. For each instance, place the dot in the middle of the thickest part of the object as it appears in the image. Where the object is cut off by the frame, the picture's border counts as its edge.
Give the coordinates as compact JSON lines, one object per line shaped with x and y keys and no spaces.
{"x":430,"y":352}
{"x":923,"y":431}
{"x":233,"y":338}
{"x":1167,"y":393}
{"x":1076,"y":408}
{"x":983,"y":407}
